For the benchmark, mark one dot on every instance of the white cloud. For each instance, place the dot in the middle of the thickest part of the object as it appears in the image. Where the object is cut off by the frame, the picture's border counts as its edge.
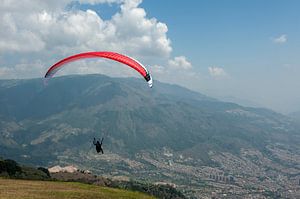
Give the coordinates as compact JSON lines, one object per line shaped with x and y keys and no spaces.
{"x":42,"y":27}
{"x":158,"y":69}
{"x":177,"y":70}
{"x":280,"y":40}
{"x":180,"y":63}
{"x":39,"y":33}
{"x":217,"y":72}
{"x":93,"y":2}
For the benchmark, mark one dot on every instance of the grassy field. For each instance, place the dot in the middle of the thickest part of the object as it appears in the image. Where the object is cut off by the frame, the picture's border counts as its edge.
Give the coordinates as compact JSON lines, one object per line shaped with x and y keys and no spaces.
{"x":26,"y":189}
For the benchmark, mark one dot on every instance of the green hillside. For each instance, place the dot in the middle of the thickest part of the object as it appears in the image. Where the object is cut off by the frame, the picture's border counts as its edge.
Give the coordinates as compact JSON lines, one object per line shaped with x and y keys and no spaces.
{"x":38,"y":119}
{"x":164,"y":135}
{"x":26,"y":189}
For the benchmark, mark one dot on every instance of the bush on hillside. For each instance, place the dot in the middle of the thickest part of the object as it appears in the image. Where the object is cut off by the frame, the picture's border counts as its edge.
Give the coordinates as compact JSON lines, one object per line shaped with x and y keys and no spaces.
{"x":9,"y":166}
{"x":46,"y":171}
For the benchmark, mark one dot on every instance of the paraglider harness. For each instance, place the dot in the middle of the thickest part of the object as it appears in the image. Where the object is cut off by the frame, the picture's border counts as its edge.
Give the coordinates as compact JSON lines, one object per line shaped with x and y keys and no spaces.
{"x":98,"y":145}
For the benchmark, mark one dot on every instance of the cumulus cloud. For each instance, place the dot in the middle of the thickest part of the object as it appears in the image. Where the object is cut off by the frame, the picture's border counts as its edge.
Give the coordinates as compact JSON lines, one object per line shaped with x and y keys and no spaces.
{"x":280,"y":40}
{"x":217,"y":72}
{"x":177,"y":70}
{"x":178,"y":66}
{"x":180,"y":63}
{"x":128,"y":31}
{"x":100,"y":1}
{"x":34,"y":34}
{"x":158,"y":69}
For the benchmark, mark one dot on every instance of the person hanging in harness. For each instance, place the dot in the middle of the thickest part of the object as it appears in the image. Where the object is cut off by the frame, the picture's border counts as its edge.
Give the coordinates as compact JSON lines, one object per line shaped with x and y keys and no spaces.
{"x":98,"y":145}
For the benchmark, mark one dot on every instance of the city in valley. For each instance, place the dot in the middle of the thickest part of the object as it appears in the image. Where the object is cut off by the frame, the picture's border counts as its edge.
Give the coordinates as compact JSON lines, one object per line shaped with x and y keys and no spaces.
{"x":250,"y":174}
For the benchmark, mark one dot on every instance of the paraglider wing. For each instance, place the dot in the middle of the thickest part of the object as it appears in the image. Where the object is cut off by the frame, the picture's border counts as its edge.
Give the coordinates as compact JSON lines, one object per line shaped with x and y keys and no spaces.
{"x":108,"y":55}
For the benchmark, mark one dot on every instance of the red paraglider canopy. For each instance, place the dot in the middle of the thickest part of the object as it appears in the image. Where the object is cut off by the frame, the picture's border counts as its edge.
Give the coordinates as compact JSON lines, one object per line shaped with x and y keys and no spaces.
{"x":109,"y":55}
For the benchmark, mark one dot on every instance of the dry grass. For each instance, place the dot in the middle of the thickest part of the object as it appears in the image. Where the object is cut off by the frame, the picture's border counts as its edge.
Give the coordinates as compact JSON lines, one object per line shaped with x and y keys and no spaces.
{"x":26,"y":189}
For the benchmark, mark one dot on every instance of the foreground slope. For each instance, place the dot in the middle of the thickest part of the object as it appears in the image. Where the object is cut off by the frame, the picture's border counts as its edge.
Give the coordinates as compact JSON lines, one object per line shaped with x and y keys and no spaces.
{"x":19,"y":189}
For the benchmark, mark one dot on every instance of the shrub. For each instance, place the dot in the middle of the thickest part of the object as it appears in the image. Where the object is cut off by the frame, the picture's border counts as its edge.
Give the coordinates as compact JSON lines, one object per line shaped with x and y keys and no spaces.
{"x":9,"y":166}
{"x":46,"y":171}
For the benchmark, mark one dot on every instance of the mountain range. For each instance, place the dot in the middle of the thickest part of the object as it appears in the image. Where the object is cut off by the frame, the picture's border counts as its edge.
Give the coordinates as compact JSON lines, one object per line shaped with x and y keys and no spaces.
{"x":144,"y":130}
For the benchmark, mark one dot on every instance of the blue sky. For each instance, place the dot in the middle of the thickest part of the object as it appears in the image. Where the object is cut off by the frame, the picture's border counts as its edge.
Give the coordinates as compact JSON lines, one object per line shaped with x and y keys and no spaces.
{"x":232,"y":32}
{"x":239,"y":37}
{"x":226,"y":27}
{"x":236,"y":50}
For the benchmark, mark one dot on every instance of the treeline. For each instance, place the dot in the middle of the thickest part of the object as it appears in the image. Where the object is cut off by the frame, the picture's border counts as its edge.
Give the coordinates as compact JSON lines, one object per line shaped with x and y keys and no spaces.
{"x":11,"y":169}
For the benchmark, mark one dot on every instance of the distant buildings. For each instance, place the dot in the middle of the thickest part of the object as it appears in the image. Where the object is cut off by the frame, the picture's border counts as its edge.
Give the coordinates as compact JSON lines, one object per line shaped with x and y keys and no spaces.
{"x":67,"y":169}
{"x":220,"y":177}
